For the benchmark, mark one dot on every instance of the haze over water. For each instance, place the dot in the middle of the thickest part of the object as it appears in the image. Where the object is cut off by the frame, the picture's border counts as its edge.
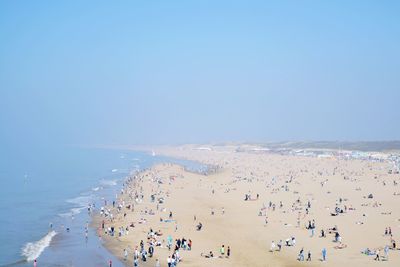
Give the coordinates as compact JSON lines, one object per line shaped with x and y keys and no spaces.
{"x":102,"y":73}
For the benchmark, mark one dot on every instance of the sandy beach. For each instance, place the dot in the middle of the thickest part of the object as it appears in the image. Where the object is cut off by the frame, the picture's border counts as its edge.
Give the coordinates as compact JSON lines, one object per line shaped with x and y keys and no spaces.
{"x":265,"y":207}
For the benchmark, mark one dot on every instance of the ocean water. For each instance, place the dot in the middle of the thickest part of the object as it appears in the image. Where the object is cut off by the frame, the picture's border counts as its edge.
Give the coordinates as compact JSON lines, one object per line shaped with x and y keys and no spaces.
{"x":44,"y":199}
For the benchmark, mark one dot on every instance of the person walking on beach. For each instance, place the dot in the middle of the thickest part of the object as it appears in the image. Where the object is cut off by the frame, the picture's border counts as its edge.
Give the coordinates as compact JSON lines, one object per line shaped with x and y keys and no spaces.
{"x":324,"y":254}
{"x":301,"y":255}
{"x":228,"y":254}
{"x":309,"y":256}
{"x":377,"y":255}
{"x":144,"y":255}
{"x":125,"y":254}
{"x":280,"y":245}
{"x":136,"y":253}
{"x":386,"y":251}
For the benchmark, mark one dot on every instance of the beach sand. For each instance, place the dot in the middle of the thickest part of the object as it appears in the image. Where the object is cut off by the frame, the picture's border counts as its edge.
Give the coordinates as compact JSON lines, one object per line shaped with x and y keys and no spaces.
{"x":296,"y":181}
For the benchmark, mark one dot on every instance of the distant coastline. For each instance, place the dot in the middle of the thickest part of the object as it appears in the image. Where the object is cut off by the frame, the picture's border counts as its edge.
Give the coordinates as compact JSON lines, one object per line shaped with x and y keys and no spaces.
{"x":367,"y":146}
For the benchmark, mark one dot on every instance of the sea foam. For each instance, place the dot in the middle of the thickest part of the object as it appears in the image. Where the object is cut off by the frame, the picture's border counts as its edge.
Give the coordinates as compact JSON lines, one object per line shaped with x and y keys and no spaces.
{"x":72,"y":212}
{"x":108,"y":182}
{"x":81,"y":201}
{"x":32,"y":250}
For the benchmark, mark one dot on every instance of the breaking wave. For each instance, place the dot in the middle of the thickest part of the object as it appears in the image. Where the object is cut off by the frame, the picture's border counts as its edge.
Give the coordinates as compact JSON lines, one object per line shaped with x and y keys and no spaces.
{"x":32,"y":250}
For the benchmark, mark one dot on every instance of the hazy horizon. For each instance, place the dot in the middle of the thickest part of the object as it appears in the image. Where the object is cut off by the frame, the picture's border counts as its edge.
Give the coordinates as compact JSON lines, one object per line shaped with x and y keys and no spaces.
{"x":88,"y":73}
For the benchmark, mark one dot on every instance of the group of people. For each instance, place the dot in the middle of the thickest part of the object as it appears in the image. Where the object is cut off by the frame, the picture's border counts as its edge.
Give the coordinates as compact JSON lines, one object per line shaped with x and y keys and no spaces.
{"x":223,"y":253}
{"x":301,"y":255}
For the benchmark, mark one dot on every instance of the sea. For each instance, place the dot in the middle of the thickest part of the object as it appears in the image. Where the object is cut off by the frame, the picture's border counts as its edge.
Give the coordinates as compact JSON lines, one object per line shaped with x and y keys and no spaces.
{"x":44,"y":199}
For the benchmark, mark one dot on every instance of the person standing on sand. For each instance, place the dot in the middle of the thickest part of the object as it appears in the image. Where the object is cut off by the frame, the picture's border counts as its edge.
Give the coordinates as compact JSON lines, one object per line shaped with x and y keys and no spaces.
{"x":272,"y":249}
{"x":228,"y":254}
{"x":151,"y":250}
{"x":190,"y":244}
{"x":222,"y":250}
{"x":157,"y":263}
{"x":169,"y":242}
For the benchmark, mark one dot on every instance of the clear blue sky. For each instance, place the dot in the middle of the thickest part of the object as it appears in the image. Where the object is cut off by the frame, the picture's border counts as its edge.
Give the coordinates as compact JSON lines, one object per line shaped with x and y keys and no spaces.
{"x":117,"y":72}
